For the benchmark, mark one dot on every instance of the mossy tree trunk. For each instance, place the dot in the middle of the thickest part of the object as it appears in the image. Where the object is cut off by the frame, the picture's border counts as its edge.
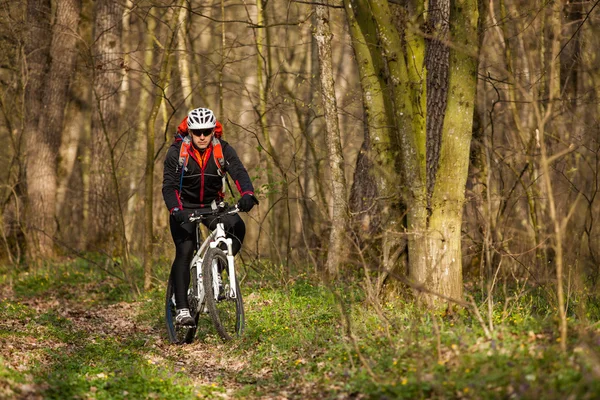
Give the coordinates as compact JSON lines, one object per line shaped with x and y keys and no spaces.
{"x":433,"y":93}
{"x":444,"y":274}
{"x":375,"y":197}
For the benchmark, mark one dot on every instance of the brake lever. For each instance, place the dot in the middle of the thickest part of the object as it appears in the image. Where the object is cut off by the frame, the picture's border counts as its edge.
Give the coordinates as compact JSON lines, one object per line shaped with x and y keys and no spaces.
{"x":193,"y":217}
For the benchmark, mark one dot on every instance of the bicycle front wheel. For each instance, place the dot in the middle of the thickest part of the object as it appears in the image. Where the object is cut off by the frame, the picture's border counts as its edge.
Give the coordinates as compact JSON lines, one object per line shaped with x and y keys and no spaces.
{"x":227,"y":313}
{"x":177,"y":334}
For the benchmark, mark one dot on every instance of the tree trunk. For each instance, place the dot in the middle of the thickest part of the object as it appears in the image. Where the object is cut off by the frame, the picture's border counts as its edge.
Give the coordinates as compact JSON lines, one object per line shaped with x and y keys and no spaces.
{"x":39,"y":152}
{"x":104,"y":210}
{"x":150,"y":134}
{"x":76,"y":128}
{"x":405,"y":80}
{"x":42,"y":180}
{"x":375,"y":197}
{"x":367,"y":185}
{"x":62,"y":68}
{"x":444,"y":230}
{"x":433,"y":157}
{"x":183,"y":60}
{"x":262,"y":75}
{"x":436,"y":61}
{"x":339,"y":214}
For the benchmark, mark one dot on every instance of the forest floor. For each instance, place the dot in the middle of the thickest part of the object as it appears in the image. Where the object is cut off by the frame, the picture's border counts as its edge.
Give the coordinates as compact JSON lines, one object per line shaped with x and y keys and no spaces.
{"x":77,"y":346}
{"x":70,"y":330}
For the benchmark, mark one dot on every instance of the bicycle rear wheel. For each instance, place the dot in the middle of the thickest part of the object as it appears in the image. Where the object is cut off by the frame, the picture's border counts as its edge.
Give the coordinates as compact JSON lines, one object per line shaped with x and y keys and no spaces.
{"x":178,"y":334}
{"x":227,"y":313}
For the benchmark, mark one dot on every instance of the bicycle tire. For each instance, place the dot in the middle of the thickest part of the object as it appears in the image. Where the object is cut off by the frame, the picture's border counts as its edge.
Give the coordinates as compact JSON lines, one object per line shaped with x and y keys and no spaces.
{"x":177,"y":334}
{"x":226,"y":313}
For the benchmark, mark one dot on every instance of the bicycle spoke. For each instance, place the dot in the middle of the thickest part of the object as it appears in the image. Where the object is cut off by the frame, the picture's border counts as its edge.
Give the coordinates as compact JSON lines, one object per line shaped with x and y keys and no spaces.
{"x":227,"y":313}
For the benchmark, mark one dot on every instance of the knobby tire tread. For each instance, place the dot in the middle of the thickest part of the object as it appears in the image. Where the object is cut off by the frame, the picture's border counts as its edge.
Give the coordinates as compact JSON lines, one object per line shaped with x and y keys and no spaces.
{"x":210,"y":302}
{"x":187,"y":334}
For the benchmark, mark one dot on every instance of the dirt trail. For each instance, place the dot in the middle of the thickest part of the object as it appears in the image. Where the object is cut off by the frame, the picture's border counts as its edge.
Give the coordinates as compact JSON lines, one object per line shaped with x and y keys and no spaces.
{"x":26,"y":344}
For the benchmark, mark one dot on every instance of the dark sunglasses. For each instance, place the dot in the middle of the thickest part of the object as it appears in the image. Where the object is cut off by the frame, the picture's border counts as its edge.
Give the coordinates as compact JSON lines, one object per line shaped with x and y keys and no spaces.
{"x":202,"y":132}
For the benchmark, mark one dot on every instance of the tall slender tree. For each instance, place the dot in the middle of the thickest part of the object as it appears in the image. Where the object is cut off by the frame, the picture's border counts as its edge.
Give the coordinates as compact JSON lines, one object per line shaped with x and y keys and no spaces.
{"x":49,"y":77}
{"x":339,"y":214}
{"x":62,"y":68}
{"x":163,"y":76}
{"x":37,"y":48}
{"x":105,"y":216}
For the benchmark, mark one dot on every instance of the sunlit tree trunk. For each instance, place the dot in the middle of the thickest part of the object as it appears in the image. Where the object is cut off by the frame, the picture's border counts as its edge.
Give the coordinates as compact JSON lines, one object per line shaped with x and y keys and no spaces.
{"x":39,"y":152}
{"x":183,"y":60}
{"x":444,"y":238}
{"x":124,"y":93}
{"x":339,"y":215}
{"x":433,"y":155}
{"x":62,"y":68}
{"x":407,"y":79}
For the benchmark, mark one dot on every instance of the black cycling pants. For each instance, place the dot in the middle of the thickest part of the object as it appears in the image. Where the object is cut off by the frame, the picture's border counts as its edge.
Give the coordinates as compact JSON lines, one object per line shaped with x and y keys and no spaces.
{"x":184,"y":237}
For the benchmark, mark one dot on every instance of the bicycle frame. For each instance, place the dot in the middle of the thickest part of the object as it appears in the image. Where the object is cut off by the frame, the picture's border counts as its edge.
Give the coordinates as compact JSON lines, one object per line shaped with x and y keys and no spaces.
{"x":213,"y":240}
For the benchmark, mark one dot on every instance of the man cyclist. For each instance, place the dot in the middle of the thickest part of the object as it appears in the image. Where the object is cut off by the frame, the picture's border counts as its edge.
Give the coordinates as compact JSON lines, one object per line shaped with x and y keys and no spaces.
{"x":192,"y":180}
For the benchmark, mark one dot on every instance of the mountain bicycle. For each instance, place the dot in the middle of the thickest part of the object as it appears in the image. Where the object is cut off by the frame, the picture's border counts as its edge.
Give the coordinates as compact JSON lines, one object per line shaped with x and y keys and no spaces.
{"x":214,"y":288}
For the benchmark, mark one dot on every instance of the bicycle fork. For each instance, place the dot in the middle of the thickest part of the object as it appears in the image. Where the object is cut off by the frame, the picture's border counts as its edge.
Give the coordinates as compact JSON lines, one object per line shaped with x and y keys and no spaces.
{"x":197,"y":285}
{"x":230,"y":265}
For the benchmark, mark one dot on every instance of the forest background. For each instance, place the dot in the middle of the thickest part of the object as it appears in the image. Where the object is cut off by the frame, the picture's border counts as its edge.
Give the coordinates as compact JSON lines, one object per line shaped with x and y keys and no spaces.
{"x":442,"y":151}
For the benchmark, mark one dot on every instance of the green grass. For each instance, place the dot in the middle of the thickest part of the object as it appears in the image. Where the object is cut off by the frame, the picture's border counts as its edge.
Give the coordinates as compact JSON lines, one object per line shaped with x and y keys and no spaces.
{"x":301,"y":339}
{"x":112,"y":369}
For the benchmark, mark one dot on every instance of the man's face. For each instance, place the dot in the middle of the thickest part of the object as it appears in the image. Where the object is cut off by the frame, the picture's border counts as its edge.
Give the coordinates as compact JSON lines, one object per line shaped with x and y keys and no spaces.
{"x":202,"y":137}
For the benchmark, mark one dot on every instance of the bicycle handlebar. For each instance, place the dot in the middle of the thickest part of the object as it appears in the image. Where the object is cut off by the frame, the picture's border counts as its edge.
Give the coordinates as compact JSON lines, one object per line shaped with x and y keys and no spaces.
{"x":221,"y":210}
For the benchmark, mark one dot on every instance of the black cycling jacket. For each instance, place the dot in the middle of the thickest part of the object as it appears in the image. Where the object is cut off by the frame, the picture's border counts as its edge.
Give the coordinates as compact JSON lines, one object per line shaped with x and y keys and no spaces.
{"x":201,"y":182}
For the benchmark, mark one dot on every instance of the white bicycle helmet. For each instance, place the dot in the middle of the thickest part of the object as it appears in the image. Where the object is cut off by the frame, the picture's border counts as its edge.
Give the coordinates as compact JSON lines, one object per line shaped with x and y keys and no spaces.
{"x":201,"y":118}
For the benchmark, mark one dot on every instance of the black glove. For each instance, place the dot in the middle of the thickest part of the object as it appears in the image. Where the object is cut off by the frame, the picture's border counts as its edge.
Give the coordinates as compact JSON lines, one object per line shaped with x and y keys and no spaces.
{"x":247,"y":202}
{"x":179,"y":215}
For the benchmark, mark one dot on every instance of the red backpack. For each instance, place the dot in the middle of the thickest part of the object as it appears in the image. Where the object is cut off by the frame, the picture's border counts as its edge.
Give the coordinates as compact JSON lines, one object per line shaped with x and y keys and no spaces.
{"x":184,"y":134}
{"x":184,"y":152}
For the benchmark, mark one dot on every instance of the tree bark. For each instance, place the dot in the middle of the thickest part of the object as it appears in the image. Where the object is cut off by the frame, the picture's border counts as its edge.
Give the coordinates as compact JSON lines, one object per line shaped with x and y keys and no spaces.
{"x":406,"y":79}
{"x":375,"y":198}
{"x":368,"y":185}
{"x":449,"y":193}
{"x":42,"y":168}
{"x":436,"y":61}
{"x":62,"y":68}
{"x":107,"y":64}
{"x":433,"y":185}
{"x":339,"y":214}
{"x":39,"y":153}
{"x":183,"y":60}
